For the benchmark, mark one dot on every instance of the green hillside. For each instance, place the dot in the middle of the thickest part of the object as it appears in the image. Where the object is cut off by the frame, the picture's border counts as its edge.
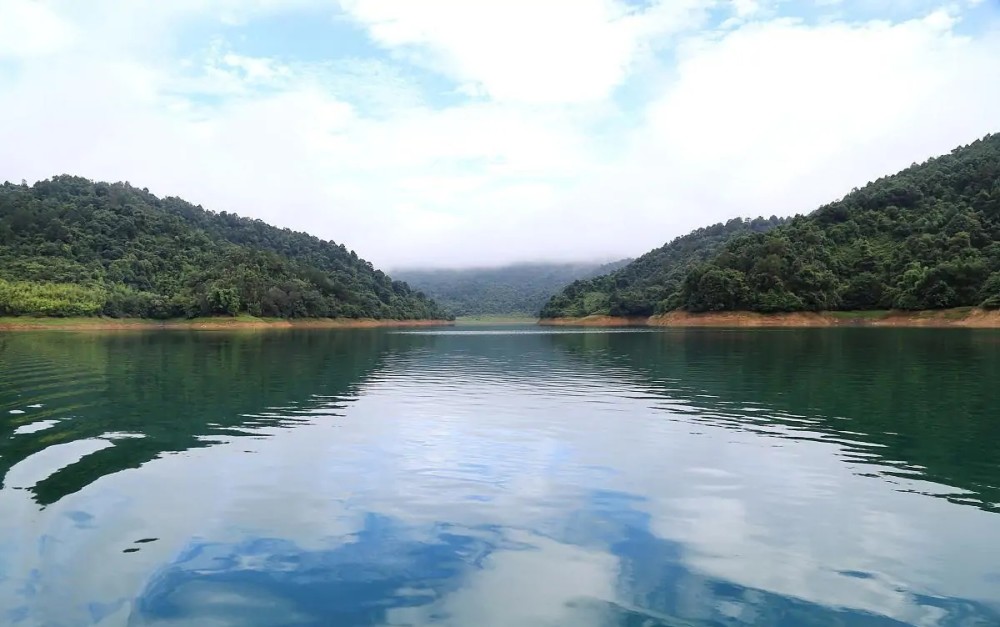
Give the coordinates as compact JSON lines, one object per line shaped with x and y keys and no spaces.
{"x":515,"y":290}
{"x":650,"y":281}
{"x":925,"y":238}
{"x":73,"y":247}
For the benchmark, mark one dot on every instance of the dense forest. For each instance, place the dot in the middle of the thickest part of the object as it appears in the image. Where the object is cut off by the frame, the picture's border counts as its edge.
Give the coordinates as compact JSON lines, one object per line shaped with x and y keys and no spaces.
{"x":925,"y":238}
{"x":515,"y":290}
{"x":73,"y":247}
{"x":638,"y":288}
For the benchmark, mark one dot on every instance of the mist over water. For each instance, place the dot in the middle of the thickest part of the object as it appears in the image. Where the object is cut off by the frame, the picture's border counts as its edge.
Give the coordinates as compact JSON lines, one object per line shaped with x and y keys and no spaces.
{"x":501,"y":476}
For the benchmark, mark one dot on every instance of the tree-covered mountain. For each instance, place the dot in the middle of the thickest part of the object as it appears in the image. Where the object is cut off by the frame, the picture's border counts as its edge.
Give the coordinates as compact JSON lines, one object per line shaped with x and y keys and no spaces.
{"x":925,"y":238}
{"x":515,"y":290}
{"x":647,"y":283}
{"x":74,"y":247}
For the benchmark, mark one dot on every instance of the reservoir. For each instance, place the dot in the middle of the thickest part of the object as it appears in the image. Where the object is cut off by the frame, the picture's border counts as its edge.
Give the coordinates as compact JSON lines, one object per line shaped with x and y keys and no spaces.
{"x":497,"y":476}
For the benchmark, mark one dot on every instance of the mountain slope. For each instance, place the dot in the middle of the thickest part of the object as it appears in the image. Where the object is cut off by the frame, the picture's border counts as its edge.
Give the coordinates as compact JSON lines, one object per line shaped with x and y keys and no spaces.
{"x":519,"y":289}
{"x":644,"y":285}
{"x":925,"y":238}
{"x":71,"y":246}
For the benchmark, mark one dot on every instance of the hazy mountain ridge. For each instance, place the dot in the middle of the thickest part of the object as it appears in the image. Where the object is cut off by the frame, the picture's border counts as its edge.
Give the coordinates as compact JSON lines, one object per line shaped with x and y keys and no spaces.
{"x":516,"y":289}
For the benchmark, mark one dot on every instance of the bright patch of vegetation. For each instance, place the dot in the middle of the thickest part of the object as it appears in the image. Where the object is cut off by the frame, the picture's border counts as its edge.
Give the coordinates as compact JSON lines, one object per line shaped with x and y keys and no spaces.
{"x":49,"y":299}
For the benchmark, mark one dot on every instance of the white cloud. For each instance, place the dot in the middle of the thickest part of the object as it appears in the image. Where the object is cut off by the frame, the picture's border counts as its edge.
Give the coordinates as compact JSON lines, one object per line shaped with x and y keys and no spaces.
{"x":29,"y":29}
{"x":766,"y":117}
{"x":745,"y":8}
{"x":518,"y":587}
{"x":524,"y":50}
{"x":779,"y":117}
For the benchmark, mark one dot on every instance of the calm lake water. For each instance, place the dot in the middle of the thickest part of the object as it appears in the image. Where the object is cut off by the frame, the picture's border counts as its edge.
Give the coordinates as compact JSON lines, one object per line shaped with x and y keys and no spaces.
{"x":501,"y":477}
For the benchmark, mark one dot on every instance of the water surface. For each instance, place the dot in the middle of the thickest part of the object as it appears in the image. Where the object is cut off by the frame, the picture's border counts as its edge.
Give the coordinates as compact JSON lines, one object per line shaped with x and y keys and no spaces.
{"x":507,"y":476}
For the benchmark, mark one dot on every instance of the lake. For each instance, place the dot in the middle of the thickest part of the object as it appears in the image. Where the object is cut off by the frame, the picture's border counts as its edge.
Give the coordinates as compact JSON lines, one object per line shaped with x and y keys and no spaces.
{"x":501,"y":476}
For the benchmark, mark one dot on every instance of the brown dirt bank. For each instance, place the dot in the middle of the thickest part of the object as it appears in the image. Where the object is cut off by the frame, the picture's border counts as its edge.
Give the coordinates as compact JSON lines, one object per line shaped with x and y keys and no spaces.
{"x":743,"y":319}
{"x":203,"y":324}
{"x":965,"y":317}
{"x":595,"y":321}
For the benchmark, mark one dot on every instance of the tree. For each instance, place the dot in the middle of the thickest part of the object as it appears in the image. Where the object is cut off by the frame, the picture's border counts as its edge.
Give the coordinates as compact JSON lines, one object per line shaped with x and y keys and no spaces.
{"x":120,"y":251}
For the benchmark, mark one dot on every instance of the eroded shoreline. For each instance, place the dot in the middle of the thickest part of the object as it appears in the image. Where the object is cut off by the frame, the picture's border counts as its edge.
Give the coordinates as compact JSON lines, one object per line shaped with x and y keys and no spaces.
{"x":965,"y":317}
{"x":204,"y":324}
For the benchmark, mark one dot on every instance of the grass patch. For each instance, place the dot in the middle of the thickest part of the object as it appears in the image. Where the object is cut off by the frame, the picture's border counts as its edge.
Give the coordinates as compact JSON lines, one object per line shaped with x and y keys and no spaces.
{"x":957,"y":313}
{"x":28,"y":323}
{"x":239,"y":319}
{"x":471,"y":320}
{"x":38,"y":321}
{"x":34,"y":321}
{"x":870,"y":314}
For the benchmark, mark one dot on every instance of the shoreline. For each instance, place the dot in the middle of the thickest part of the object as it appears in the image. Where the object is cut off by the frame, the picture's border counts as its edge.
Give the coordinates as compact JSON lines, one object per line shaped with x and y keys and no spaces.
{"x":27,"y":323}
{"x":965,"y":317}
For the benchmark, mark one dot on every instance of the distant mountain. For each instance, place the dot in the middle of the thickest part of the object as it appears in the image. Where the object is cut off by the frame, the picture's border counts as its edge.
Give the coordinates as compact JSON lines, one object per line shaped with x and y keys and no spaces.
{"x":638,"y":288}
{"x":74,"y":247}
{"x":925,"y":238}
{"x":519,"y":289}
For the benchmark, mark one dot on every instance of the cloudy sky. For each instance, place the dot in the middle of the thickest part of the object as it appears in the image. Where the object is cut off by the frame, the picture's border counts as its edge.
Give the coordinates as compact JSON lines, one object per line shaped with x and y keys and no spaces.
{"x":477,"y":132}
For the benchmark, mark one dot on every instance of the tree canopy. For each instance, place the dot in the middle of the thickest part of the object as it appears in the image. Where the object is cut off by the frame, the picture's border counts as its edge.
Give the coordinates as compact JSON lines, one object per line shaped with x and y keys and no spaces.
{"x":925,"y":238}
{"x":74,"y":247}
{"x":649,"y":283}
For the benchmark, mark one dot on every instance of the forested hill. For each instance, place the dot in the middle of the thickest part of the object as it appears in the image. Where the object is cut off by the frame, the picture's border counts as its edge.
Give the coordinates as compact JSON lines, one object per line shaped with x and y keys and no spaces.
{"x":515,"y":290}
{"x":925,"y":238}
{"x":73,"y":247}
{"x":646,"y":284}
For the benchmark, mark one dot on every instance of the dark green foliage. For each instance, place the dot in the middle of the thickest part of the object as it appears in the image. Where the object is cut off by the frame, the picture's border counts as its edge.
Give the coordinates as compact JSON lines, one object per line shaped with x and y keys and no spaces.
{"x":926,"y":238}
{"x":650,"y":283}
{"x":519,"y":289}
{"x":991,"y":292}
{"x":73,"y":247}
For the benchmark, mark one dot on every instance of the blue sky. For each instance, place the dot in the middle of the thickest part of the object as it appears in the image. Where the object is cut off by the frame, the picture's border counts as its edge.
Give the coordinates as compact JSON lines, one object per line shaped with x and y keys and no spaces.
{"x":478,"y":132}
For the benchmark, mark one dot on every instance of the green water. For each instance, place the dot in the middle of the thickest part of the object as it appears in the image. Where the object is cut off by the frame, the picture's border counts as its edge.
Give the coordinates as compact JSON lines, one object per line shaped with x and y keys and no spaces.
{"x":501,"y":476}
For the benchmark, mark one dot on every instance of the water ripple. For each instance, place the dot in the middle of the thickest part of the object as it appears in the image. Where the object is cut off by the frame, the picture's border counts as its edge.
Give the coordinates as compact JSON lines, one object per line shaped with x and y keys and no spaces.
{"x":499,"y":476}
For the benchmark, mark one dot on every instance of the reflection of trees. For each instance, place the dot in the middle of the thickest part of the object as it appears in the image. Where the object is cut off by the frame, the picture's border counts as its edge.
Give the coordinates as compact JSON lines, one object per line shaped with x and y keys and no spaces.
{"x":922,"y":397}
{"x":925,"y":398}
{"x":174,"y":389}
